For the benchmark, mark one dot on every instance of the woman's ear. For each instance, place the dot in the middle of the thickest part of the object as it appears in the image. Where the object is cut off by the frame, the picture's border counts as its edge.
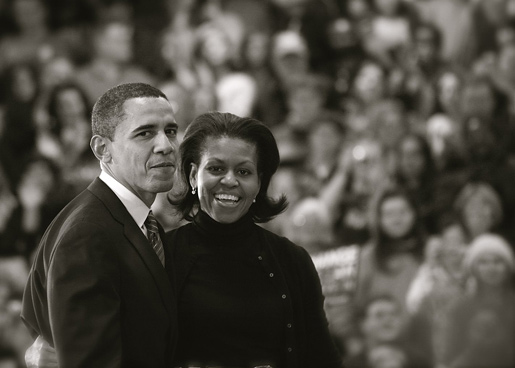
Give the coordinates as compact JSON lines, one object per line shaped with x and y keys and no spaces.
{"x":193,"y":175}
{"x":100,"y":149}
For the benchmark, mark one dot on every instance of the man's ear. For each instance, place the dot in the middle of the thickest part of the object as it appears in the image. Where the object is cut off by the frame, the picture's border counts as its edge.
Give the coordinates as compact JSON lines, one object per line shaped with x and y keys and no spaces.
{"x":99,"y":146}
{"x":193,"y":175}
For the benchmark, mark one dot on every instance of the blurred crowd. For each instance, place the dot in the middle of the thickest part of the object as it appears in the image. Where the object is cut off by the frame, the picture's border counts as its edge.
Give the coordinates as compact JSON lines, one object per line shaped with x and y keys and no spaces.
{"x":395,"y":123}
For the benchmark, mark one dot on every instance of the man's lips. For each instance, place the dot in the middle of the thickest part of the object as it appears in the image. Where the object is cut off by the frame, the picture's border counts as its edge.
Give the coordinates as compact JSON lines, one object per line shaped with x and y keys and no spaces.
{"x":163,"y":164}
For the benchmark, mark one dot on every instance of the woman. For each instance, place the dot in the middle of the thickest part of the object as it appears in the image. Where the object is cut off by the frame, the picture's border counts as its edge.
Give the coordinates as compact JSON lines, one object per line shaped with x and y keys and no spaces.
{"x":246,"y":297}
{"x":416,"y":172}
{"x":390,"y":262}
{"x":481,"y":324}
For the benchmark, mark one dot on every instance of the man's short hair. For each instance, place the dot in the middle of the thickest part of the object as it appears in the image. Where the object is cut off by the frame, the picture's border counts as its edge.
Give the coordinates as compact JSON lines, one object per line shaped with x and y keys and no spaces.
{"x":109,"y":111}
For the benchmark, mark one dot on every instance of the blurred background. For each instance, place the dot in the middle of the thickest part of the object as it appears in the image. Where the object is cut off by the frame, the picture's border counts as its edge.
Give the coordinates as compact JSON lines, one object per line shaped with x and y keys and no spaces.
{"x":395,"y":123}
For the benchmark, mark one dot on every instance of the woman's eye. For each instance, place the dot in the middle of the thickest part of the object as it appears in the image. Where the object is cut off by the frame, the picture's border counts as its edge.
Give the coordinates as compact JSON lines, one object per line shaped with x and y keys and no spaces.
{"x":244,"y":172}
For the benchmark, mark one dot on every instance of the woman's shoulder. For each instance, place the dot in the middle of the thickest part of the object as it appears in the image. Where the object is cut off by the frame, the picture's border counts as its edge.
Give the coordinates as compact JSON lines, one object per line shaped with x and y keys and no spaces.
{"x":173,"y":237}
{"x":279,"y":241}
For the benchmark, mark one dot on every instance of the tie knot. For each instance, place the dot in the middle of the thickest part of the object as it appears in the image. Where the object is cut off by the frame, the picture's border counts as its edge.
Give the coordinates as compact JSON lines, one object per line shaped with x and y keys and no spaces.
{"x":151,"y":223}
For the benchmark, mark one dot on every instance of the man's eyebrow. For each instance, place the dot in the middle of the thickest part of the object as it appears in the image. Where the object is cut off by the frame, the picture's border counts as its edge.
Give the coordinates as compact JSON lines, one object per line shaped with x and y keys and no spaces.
{"x":153,"y":126}
{"x":143,"y":127}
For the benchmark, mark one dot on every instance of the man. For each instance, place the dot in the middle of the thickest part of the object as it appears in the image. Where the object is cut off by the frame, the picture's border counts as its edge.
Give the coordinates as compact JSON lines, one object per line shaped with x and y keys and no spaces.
{"x":99,"y":291}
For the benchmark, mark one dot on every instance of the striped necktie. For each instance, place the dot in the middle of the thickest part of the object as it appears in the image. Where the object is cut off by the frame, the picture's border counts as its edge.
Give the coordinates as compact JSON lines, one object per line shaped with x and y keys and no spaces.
{"x":153,"y":236}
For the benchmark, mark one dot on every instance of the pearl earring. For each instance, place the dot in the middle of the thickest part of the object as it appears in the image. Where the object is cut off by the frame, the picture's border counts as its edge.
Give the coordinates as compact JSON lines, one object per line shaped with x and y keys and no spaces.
{"x":193,"y":191}
{"x":254,"y":200}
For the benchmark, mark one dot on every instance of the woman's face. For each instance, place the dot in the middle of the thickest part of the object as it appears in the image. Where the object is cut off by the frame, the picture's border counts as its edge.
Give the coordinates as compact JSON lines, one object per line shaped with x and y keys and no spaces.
{"x":227,"y":178}
{"x":412,"y":160}
{"x":397,"y":217}
{"x":491,"y":269}
{"x":478,"y":215}
{"x":216,"y":48}
{"x":70,"y":105}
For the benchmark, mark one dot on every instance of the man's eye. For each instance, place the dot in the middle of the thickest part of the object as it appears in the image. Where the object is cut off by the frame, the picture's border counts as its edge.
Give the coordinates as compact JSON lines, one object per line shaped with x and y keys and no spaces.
{"x":171,"y":132}
{"x":143,"y":134}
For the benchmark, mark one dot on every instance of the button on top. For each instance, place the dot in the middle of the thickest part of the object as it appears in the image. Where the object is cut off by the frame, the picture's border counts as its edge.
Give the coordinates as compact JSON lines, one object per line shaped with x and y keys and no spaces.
{"x":271,"y":274}
{"x":283,"y":296}
{"x":260,"y":258}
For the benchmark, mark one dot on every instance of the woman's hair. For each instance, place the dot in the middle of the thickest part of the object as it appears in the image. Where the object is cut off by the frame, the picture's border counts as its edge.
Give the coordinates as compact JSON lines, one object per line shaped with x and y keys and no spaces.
{"x":53,"y":97}
{"x":384,"y":245}
{"x":219,"y":125}
{"x":485,"y":191}
{"x":428,"y":173}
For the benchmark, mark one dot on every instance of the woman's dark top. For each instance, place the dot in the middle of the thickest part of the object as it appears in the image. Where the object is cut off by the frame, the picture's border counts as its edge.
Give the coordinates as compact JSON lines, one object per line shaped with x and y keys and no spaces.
{"x":247,"y":297}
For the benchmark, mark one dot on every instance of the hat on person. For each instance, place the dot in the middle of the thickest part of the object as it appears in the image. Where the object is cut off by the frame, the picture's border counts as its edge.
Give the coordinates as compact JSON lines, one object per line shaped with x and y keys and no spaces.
{"x":489,"y":244}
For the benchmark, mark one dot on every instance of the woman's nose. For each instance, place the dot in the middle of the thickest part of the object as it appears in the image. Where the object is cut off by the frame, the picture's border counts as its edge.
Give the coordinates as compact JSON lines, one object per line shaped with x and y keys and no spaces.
{"x":229,"y":179}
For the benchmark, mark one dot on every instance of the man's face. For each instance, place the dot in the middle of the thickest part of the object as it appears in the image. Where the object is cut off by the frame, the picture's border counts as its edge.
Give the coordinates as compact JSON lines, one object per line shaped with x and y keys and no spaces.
{"x":143,"y":151}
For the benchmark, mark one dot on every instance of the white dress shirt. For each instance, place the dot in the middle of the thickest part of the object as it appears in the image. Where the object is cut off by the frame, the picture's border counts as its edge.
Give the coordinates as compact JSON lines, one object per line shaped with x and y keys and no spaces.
{"x":137,"y":209}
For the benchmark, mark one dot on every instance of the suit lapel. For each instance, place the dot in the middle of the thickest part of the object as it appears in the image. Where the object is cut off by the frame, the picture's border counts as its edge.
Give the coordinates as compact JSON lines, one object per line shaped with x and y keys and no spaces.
{"x":136,"y":238}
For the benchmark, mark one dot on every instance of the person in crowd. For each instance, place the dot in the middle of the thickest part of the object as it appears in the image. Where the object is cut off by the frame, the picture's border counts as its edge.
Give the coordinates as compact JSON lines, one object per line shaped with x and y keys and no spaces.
{"x":370,"y":83}
{"x":347,"y":53}
{"x":306,"y":100}
{"x":390,"y":261}
{"x":416,"y":171}
{"x":256,"y":62}
{"x":348,"y":193}
{"x":32,"y":39}
{"x":389,"y":124}
{"x":390,"y":30}
{"x":455,"y":21}
{"x":310,"y":18}
{"x":439,"y":282}
{"x":18,"y":136}
{"x":481,"y":327}
{"x":479,"y":208}
{"x":98,"y":290}
{"x":380,"y":324}
{"x":65,"y":139}
{"x":289,"y":63}
{"x":111,"y":61}
{"x":39,"y":198}
{"x":414,"y":77}
{"x":227,"y":162}
{"x":324,"y":143}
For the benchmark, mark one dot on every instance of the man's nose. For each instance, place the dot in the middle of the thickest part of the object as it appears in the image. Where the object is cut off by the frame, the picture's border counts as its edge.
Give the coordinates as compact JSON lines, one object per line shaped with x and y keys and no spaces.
{"x":164,"y":144}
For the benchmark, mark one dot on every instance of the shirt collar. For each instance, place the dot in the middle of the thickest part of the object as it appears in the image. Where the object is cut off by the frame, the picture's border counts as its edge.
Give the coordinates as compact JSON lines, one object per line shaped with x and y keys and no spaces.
{"x":137,"y":209}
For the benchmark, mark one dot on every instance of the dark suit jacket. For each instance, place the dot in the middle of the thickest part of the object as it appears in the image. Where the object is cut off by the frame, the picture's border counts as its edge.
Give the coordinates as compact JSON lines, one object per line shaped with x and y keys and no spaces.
{"x":97,"y":291}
